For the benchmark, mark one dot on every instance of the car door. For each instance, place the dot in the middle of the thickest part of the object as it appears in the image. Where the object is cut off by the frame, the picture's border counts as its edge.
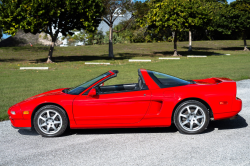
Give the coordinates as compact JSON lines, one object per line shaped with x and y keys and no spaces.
{"x":111,"y":108}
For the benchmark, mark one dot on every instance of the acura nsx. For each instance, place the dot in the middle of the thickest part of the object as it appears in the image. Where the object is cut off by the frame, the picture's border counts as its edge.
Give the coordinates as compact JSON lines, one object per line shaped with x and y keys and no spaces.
{"x":156,"y":100}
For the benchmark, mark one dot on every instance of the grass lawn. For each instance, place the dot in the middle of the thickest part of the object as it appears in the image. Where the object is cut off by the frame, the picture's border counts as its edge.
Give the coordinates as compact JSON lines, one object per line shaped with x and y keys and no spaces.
{"x":69,"y":68}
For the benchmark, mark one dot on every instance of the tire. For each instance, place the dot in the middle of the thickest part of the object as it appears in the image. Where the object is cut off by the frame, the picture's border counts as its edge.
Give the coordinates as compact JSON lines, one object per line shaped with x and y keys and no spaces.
{"x":50,"y":121}
{"x":191,"y":117}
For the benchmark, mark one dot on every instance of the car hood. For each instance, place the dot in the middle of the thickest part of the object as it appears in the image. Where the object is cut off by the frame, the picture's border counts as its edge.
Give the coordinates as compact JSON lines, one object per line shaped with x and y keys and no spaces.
{"x":48,"y":93}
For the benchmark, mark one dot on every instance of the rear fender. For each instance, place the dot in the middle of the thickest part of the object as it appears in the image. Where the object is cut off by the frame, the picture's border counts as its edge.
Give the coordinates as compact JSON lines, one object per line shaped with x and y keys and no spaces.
{"x":222,"y":97}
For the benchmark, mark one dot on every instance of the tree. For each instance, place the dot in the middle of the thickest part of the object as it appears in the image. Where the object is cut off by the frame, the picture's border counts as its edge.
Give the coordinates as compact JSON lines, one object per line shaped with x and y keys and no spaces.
{"x":114,"y":9}
{"x":140,"y":9}
{"x":129,"y":30}
{"x":181,"y":15}
{"x":1,"y":31}
{"x":199,"y":16}
{"x":221,"y":1}
{"x":222,"y":19}
{"x":1,"y":34}
{"x":80,"y":36}
{"x":88,"y":38}
{"x":50,"y":16}
{"x":234,"y":17}
{"x":242,"y":21}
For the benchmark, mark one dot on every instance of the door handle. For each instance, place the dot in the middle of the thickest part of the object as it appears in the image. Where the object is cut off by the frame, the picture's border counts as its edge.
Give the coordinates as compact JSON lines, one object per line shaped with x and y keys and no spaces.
{"x":144,"y":94}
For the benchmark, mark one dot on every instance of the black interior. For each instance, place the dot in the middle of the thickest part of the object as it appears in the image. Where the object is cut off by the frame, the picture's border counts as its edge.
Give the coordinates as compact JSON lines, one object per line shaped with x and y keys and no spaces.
{"x":121,"y":87}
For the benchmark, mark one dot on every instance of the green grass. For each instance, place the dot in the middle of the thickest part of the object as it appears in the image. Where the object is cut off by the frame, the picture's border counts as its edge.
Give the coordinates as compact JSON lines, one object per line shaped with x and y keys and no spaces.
{"x":69,"y":68}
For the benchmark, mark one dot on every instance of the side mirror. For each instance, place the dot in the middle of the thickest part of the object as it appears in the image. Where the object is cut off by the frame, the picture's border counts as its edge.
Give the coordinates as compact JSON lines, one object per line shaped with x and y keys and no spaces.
{"x":102,"y":84}
{"x":92,"y":92}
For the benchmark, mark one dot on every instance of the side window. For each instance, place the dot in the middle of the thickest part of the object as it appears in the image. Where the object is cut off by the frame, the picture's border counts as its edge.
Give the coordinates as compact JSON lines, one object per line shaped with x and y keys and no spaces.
{"x":164,"y":80}
{"x":111,"y":86}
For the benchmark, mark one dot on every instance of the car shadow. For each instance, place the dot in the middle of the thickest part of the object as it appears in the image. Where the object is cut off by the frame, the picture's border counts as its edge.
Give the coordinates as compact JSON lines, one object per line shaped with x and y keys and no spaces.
{"x":171,"y":129}
{"x":226,"y":124}
{"x":31,"y":132}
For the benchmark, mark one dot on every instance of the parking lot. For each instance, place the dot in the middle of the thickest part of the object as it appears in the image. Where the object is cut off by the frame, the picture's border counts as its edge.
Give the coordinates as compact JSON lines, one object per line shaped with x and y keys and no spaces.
{"x":225,"y":142}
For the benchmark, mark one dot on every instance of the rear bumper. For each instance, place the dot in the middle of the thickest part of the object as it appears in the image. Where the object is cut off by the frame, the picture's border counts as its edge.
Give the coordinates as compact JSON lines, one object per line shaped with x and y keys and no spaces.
{"x":236,"y":108}
{"x":237,"y":105}
{"x":235,"y":117}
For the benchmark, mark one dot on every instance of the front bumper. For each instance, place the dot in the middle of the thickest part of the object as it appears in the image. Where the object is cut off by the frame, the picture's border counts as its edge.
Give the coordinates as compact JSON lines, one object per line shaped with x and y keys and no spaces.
{"x":17,"y":119}
{"x":20,"y":123}
{"x":24,"y":128}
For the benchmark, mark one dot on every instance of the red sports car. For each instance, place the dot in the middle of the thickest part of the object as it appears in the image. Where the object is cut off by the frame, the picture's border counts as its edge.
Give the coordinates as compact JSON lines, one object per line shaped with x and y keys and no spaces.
{"x":157,"y":100}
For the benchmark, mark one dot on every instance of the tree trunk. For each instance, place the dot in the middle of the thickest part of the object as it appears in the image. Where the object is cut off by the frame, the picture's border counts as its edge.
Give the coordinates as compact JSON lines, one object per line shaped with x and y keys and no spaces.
{"x":175,"y":44}
{"x":51,"y":51}
{"x":245,"y":42}
{"x":173,"y":36}
{"x":111,"y":55}
{"x":190,"y":41}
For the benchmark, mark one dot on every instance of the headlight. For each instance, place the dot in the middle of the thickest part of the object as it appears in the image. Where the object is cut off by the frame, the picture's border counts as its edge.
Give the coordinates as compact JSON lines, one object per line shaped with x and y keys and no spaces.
{"x":15,"y":112}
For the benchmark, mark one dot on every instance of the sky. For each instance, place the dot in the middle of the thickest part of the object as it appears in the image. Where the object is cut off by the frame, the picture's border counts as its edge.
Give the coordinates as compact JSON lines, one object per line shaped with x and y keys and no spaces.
{"x":6,"y":35}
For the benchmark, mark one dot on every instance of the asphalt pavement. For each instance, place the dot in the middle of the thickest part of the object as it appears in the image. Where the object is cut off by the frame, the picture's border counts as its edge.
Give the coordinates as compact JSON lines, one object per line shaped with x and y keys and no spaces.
{"x":225,"y":142}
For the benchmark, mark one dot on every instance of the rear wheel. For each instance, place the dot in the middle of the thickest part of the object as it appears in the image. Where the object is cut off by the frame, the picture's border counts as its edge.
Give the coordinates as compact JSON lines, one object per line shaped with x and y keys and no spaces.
{"x":50,"y":121}
{"x":191,"y":117}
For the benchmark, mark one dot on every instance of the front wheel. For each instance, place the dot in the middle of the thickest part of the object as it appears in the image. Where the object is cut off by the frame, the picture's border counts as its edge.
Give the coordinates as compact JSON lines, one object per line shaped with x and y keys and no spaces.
{"x":191,"y":117}
{"x":50,"y":121}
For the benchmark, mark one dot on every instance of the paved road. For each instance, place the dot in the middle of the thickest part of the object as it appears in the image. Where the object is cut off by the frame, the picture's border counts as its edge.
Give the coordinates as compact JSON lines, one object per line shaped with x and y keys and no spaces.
{"x":225,"y":143}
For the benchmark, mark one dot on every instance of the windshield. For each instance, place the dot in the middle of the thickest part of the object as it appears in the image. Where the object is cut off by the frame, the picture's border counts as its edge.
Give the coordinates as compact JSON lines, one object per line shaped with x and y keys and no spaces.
{"x":79,"y":89}
{"x":164,"y":80}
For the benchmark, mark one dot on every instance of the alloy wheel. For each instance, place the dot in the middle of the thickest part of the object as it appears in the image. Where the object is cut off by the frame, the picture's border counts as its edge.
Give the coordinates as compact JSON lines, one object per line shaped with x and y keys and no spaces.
{"x":192,"y":118}
{"x":49,"y":121}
